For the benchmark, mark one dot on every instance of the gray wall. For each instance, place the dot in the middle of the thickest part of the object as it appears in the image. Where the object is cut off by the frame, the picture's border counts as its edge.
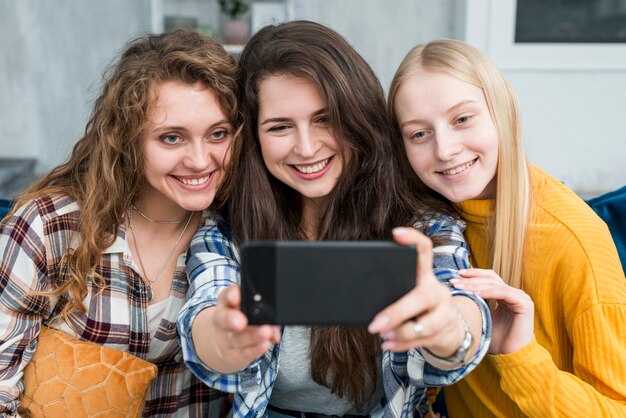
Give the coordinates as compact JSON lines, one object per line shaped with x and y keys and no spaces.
{"x":572,"y":120}
{"x":573,"y":126}
{"x":384,"y":31}
{"x":53,"y":53}
{"x":571,"y":98}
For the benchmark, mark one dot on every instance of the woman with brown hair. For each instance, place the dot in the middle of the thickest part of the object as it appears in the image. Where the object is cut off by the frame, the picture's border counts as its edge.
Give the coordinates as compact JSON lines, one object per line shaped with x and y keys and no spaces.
{"x":97,"y":247}
{"x":315,"y":162}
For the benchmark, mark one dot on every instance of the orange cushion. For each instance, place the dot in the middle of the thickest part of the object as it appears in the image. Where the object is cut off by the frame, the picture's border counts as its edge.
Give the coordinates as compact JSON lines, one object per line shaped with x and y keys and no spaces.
{"x":68,"y":377}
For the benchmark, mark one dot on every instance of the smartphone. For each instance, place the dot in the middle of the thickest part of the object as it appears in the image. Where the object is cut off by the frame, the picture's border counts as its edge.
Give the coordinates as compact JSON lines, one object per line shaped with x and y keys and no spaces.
{"x":342,"y":283}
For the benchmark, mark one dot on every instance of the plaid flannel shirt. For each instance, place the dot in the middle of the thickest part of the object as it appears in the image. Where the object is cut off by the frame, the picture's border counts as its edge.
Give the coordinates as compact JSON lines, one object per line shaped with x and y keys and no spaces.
{"x":31,"y":246}
{"x":213,"y":265}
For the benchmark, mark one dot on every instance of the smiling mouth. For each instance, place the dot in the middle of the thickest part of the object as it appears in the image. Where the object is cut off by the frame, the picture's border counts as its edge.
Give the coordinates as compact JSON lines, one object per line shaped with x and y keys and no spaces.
{"x":312,"y":168}
{"x":194,"y":182}
{"x":458,"y":169}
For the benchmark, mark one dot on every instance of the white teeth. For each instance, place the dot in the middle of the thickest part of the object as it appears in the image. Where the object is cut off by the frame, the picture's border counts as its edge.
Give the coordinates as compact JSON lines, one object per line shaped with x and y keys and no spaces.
{"x":308,"y":169}
{"x":458,"y":169}
{"x":194,"y":182}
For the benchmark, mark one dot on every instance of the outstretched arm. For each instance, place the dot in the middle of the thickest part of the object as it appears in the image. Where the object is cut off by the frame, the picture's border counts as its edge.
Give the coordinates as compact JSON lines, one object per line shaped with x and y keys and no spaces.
{"x":213,"y":333}
{"x":223,"y":339}
{"x":428,"y":316}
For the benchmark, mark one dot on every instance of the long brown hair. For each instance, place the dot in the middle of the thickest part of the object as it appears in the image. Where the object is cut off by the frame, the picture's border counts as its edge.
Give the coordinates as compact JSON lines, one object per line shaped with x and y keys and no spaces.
{"x":370,"y":198}
{"x":105,"y":171}
{"x":507,"y":228}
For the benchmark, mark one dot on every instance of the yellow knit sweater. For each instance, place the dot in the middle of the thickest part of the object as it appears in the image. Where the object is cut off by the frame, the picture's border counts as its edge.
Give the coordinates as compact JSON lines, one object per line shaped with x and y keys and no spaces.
{"x":576,"y":364}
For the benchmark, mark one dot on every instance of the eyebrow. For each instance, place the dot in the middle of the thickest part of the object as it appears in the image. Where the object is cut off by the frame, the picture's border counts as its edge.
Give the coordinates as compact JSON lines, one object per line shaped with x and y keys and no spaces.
{"x":273,"y":120}
{"x":283,"y":119}
{"x":450,"y":110}
{"x":183,"y":128}
{"x":460,"y":104}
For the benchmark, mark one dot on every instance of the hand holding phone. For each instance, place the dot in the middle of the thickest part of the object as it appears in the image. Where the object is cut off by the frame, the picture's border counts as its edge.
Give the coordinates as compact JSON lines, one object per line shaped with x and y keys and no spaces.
{"x":235,"y":343}
{"x":427,"y":316}
{"x":323,"y":282}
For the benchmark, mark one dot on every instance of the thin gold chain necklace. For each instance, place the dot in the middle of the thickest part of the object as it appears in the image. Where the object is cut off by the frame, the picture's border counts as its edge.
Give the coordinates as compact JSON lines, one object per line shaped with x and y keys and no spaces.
{"x":146,"y":217}
{"x":132,"y":232}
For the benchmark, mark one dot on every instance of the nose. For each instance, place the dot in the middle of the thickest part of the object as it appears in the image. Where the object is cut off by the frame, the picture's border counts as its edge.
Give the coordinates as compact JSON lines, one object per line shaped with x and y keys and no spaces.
{"x":307,"y":143}
{"x":197,"y":155}
{"x":447,"y":146}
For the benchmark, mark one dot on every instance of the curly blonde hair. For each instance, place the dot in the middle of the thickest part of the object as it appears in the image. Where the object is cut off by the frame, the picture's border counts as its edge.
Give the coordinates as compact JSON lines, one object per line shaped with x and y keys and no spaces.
{"x":105,"y":171}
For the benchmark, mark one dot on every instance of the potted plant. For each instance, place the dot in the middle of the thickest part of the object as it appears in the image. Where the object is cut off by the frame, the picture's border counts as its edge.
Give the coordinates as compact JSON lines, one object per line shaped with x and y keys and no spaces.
{"x":235,"y":27}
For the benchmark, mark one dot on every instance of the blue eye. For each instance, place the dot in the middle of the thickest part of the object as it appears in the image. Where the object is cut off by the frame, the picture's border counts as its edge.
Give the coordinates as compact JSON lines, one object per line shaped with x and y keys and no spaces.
{"x":419,"y":136}
{"x":170,"y":139}
{"x":220,"y":135}
{"x":463,"y":119}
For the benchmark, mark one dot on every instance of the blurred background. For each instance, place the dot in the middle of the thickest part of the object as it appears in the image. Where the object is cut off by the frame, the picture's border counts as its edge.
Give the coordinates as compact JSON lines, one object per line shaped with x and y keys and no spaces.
{"x":565,"y":58}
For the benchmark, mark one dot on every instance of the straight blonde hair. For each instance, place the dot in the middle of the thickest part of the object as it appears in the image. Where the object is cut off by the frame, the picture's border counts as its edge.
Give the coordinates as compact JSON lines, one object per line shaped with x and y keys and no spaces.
{"x":507,"y":226}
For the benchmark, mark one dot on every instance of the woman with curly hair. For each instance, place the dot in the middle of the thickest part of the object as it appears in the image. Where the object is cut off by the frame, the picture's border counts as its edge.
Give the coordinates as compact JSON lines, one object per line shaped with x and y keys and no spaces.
{"x":97,"y":247}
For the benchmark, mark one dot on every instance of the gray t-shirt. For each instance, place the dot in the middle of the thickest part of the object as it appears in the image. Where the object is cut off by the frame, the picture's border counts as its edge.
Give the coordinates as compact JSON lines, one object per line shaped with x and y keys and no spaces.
{"x":295,"y":389}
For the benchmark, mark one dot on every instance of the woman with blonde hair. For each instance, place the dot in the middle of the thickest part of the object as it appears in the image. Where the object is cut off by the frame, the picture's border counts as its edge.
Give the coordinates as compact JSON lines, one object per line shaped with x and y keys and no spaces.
{"x":532,"y":239}
{"x":97,"y":247}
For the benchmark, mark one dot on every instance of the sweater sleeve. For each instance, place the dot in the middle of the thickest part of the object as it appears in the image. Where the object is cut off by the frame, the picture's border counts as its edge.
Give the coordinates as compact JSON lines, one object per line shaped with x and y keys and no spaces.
{"x":598,"y":387}
{"x":578,"y":368}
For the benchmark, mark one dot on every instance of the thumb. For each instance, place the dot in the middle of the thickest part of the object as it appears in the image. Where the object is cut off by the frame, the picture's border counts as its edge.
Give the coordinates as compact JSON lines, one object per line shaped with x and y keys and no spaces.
{"x":423,"y":247}
{"x":231,"y":297}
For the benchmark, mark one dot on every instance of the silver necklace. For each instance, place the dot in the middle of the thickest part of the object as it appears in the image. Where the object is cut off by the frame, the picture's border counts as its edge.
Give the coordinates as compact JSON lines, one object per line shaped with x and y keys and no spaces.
{"x":146,"y":217}
{"x":180,"y":237}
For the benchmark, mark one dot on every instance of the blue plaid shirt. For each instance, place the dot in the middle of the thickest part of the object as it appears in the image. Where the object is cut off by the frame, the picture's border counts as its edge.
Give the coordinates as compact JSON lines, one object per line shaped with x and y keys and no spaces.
{"x":213,"y":265}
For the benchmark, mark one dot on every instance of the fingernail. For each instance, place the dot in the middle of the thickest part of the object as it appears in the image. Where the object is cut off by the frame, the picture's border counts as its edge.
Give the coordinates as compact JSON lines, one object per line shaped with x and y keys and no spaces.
{"x":458,"y":285}
{"x":400,"y":230}
{"x":462,"y":271}
{"x":454,"y":280}
{"x":388,"y":335}
{"x":387,"y":345}
{"x":378,"y":323}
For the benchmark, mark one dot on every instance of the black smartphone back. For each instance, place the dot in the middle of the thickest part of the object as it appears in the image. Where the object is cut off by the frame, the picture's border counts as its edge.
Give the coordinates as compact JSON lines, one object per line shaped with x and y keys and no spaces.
{"x":323,"y":282}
